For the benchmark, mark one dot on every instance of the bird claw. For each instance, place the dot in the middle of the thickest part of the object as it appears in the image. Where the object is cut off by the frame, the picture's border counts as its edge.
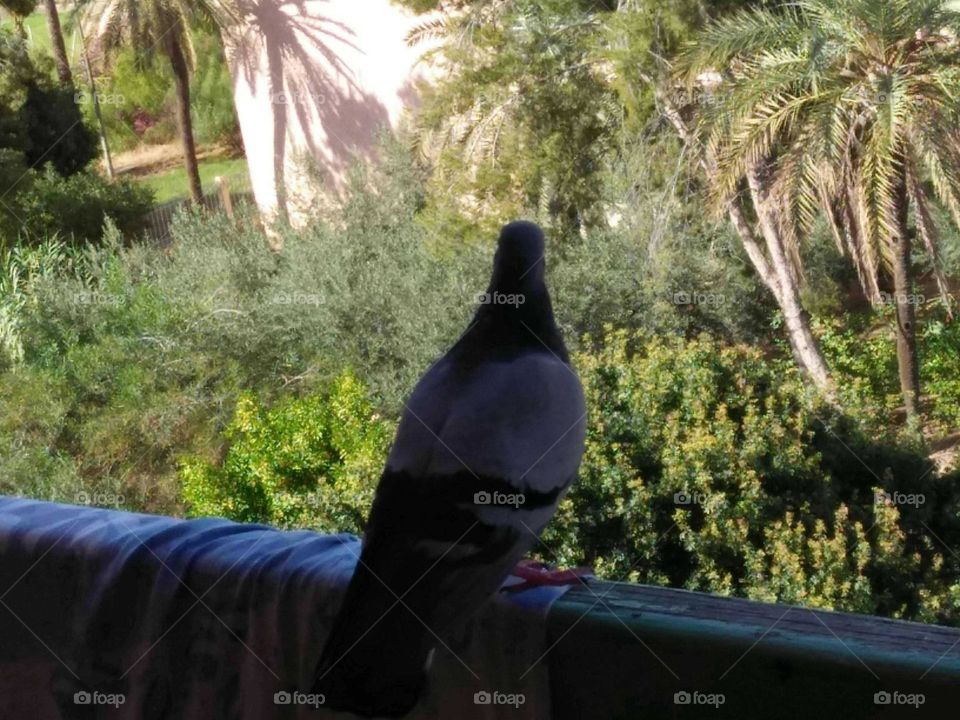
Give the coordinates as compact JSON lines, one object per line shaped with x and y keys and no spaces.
{"x":538,"y":574}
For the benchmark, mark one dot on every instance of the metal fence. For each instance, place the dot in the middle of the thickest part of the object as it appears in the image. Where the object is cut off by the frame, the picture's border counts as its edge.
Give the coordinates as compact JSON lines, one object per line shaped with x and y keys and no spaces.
{"x":228,"y":193}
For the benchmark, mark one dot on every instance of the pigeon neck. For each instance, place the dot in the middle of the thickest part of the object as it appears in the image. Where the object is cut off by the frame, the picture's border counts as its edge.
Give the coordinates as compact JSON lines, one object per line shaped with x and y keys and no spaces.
{"x":514,"y":318}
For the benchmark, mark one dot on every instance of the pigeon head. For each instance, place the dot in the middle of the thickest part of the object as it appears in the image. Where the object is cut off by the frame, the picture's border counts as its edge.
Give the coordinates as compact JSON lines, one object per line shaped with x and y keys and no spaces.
{"x":518,"y":264}
{"x":515,"y":314}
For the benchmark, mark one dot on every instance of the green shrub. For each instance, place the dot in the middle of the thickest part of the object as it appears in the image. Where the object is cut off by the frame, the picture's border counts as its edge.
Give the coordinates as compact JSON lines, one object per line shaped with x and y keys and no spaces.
{"x":155,"y":346}
{"x":75,"y":208}
{"x":306,"y":462}
{"x":138,"y":100}
{"x":708,"y":467}
{"x":211,"y":92}
{"x":940,"y":370}
{"x":21,"y":266}
{"x":133,"y":88}
{"x":57,"y":134}
{"x":861,"y":349}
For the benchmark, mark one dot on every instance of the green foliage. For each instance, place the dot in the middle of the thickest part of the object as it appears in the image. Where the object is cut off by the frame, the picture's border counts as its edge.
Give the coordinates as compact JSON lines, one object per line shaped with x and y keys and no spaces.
{"x":179,"y":31}
{"x":306,"y":462}
{"x":798,"y":86}
{"x":38,"y":119}
{"x":709,"y":467}
{"x":211,"y":92}
{"x":660,"y":265}
{"x":134,"y":88}
{"x":56,"y":132}
{"x":20,"y":268}
{"x":76,"y":207}
{"x":32,"y":108}
{"x":138,"y":103}
{"x":522,"y":120}
{"x":155,"y":346}
{"x":940,"y":367}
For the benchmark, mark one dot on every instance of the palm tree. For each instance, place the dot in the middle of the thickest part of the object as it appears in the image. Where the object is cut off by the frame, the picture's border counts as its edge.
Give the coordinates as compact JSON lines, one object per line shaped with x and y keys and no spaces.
{"x":846,"y":109}
{"x":57,"y":45}
{"x":164,"y":26}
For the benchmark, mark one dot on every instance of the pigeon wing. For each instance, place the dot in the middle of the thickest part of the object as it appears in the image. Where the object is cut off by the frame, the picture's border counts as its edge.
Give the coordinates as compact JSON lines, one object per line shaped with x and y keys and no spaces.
{"x":481,"y":460}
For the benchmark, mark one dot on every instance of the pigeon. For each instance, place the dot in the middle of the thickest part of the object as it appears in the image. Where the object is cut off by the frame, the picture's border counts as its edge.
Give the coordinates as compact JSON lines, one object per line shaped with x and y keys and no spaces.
{"x":489,"y":442}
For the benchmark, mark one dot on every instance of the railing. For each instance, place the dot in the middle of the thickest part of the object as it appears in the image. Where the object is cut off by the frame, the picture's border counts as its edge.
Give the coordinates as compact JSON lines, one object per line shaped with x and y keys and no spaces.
{"x":630,"y":651}
{"x":253,"y":597}
{"x":228,"y":192}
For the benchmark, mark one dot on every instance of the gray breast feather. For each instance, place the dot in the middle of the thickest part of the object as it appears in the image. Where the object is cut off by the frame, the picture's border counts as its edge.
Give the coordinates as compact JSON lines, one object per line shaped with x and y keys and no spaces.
{"x":523,"y":420}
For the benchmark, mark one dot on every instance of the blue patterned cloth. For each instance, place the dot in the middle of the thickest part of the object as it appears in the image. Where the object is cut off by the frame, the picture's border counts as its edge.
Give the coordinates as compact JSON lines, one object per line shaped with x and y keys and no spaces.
{"x":121,"y":615}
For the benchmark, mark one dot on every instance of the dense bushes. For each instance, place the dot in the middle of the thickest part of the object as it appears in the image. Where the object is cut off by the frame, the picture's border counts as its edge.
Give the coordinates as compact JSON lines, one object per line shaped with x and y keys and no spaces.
{"x":152,"y":348}
{"x":138,"y":101}
{"x":709,"y":467}
{"x":45,"y":154}
{"x":76,"y":207}
{"x":306,"y":462}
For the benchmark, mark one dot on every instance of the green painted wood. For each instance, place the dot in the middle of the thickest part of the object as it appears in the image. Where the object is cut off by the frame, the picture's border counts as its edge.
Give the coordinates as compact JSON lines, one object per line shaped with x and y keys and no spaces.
{"x":626,"y":651}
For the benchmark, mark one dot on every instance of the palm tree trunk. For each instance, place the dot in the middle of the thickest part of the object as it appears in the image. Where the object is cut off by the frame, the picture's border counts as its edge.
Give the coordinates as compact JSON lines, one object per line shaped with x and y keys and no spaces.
{"x":181,"y":79}
{"x":776,"y":273}
{"x":57,"y":45}
{"x":907,"y":359}
{"x":802,"y":342}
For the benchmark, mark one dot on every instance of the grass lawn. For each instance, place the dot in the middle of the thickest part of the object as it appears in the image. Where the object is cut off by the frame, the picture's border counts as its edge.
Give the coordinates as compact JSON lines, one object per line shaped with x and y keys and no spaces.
{"x":39,"y":39}
{"x":172,"y":184}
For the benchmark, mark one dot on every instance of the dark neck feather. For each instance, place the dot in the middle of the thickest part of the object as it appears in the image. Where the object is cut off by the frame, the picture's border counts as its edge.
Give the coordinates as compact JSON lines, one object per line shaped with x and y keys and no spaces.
{"x":504,"y":329}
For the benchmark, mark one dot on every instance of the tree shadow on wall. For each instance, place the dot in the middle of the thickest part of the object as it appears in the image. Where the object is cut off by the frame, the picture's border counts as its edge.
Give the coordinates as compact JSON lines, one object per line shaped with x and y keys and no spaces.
{"x":298,"y":52}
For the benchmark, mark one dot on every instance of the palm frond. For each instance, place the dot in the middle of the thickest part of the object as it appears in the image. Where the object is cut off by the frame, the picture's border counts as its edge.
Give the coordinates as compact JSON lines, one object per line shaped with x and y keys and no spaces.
{"x":927,"y":229}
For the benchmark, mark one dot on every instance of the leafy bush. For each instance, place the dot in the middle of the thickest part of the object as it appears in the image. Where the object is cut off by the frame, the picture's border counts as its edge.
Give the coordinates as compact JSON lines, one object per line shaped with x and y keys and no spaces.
{"x":134,"y":88}
{"x":20,"y":267}
{"x":38,"y":119}
{"x":861,"y":348}
{"x":940,"y":369}
{"x":155,"y":346}
{"x":76,"y":207}
{"x":521,"y":118}
{"x":56,"y":132}
{"x":306,"y":462}
{"x":708,"y":467}
{"x":211,"y":92}
{"x":138,"y":100}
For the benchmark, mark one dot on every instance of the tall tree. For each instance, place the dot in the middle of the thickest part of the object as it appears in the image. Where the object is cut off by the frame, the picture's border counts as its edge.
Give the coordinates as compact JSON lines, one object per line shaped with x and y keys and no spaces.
{"x":640,"y":40}
{"x":163,"y":26}
{"x":57,"y":45}
{"x":849,"y":109}
{"x":521,"y":117}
